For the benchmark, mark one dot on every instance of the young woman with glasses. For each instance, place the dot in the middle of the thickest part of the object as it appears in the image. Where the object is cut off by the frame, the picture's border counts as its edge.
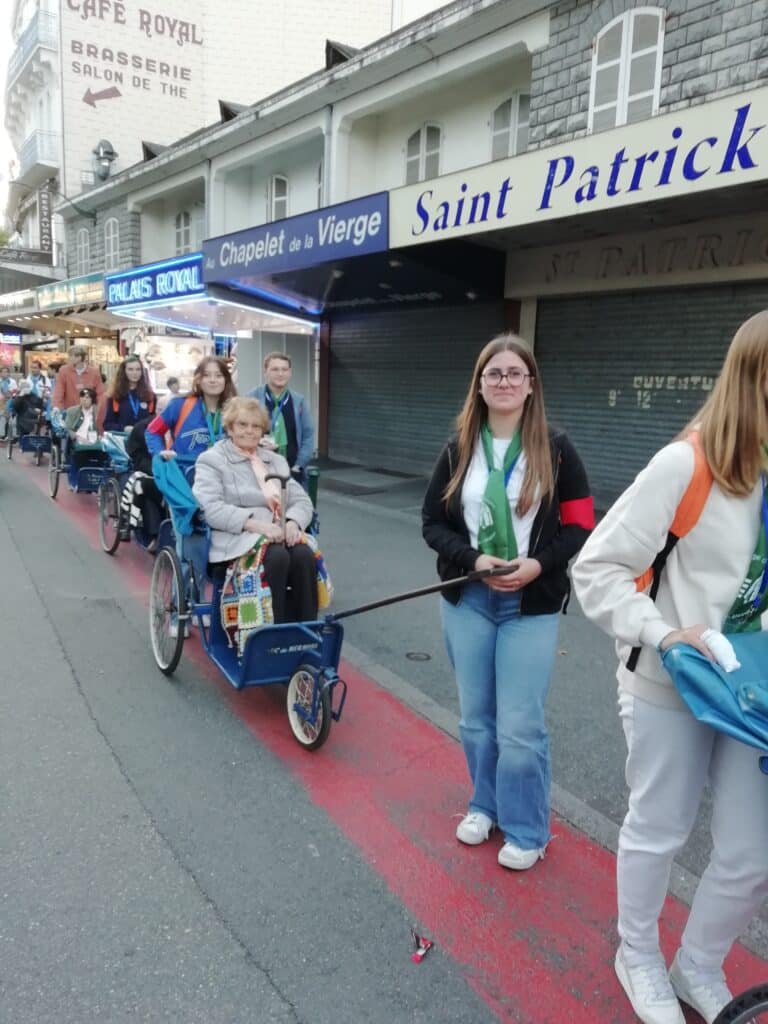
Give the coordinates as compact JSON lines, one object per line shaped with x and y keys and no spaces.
{"x":507,"y":490}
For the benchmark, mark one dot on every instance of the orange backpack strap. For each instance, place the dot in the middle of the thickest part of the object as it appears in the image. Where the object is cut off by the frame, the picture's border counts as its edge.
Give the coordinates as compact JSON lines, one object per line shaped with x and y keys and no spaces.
{"x":686,"y":516}
{"x":188,"y":405}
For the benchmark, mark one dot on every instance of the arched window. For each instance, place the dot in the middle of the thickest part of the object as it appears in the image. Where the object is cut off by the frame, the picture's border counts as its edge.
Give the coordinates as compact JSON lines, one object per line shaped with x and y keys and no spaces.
{"x":509,"y":126}
{"x":183,"y":230}
{"x":83,"y":252}
{"x":626,"y":69}
{"x":277,"y":197}
{"x":112,"y":244}
{"x":422,"y":154}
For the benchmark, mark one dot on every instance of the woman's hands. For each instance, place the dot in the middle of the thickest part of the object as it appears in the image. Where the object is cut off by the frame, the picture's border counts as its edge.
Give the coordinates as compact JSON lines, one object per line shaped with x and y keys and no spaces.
{"x":690,"y":635}
{"x":522,"y":571}
{"x":272,"y":531}
{"x":292,"y":533}
{"x":167,"y":453}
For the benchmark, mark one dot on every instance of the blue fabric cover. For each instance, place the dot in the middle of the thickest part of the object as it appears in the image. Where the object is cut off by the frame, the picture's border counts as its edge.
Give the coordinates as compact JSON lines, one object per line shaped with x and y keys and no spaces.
{"x":732,"y":702}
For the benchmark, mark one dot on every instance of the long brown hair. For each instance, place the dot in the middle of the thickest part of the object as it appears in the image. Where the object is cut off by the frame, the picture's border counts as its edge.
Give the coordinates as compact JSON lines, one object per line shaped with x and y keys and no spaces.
{"x":539,"y":480}
{"x":733,"y":422}
{"x":229,"y":385}
{"x":121,"y":387}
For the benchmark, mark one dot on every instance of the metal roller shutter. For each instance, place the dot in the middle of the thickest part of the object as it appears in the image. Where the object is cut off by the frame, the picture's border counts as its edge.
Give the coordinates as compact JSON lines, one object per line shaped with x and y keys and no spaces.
{"x":623,"y":373}
{"x":398,"y":379}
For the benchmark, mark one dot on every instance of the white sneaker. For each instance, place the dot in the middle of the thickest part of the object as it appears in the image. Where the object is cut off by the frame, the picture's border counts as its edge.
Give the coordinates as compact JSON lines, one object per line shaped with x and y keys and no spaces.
{"x":649,"y":990}
{"x":704,"y":990}
{"x":474,"y":828}
{"x":511,"y":856}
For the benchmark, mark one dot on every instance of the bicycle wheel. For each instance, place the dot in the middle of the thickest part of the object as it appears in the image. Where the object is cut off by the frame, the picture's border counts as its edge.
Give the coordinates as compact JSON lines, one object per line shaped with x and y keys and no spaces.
{"x":299,"y":699}
{"x":167,"y":606}
{"x":54,"y":468}
{"x":109,"y":515}
{"x":751,"y":1007}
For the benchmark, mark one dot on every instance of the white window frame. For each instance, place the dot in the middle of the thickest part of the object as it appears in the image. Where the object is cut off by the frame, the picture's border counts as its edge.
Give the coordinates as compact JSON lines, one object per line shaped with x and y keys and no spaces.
{"x":514,"y":126}
{"x":320,"y":185}
{"x":182,"y":226}
{"x":273,"y":211}
{"x":111,"y":244}
{"x":624,"y":61}
{"x":83,"y":252}
{"x":422,"y":132}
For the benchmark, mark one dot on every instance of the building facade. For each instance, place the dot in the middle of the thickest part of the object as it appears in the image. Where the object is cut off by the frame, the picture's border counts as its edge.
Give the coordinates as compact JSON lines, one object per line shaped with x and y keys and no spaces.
{"x":592,"y":175}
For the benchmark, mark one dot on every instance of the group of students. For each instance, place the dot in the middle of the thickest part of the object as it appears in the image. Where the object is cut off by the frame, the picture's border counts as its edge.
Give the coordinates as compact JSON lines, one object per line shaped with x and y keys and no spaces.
{"x":226,"y":447}
{"x":511,"y":492}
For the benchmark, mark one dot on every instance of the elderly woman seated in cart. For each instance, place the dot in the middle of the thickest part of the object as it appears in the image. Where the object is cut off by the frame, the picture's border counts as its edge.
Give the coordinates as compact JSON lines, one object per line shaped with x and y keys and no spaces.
{"x":244,"y":510}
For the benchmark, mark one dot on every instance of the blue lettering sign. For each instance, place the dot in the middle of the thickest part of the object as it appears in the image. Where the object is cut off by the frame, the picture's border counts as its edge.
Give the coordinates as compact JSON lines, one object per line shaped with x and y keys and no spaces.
{"x":349,"y":229}
{"x":157,"y":282}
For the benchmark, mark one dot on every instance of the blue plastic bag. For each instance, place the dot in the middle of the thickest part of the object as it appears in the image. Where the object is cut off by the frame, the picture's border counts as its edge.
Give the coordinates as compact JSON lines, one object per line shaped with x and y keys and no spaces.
{"x":732,"y":702}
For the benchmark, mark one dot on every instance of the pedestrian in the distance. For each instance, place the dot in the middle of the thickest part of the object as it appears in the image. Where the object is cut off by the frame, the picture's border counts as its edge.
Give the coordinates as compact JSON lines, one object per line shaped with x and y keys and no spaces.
{"x":507,"y":491}
{"x":714,"y":577}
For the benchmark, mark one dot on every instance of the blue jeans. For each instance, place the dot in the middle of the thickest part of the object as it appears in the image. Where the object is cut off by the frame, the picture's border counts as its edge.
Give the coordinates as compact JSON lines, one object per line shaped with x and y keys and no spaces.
{"x":503,"y":662}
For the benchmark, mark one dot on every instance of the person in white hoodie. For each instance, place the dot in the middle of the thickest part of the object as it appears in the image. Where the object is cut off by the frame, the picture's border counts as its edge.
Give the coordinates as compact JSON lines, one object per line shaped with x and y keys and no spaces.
{"x":715,"y":577}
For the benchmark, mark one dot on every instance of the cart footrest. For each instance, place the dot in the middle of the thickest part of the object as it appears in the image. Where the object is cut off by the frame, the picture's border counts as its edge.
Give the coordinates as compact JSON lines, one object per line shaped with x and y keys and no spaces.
{"x":331,"y":686}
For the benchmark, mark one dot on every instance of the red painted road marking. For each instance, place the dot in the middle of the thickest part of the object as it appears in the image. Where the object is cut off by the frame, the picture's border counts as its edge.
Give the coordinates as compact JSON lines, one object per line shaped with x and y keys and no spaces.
{"x":536,"y":946}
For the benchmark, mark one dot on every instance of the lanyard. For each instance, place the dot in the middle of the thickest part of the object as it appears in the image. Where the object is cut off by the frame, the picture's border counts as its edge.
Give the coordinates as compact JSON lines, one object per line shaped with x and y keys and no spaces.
{"x":510,"y":470}
{"x":135,"y":404}
{"x":213,"y":419}
{"x":277,"y":407}
{"x":764,"y":581}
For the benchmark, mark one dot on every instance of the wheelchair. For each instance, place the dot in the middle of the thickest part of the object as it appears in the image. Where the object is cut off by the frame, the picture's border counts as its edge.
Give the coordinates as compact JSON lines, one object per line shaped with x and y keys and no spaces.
{"x":31,"y":432}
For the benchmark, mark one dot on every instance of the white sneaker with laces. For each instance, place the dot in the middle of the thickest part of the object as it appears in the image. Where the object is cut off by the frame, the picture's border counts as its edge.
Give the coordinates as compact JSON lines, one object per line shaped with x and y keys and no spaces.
{"x":511,"y":856}
{"x":474,"y":828}
{"x":649,"y":990}
{"x":704,"y":990}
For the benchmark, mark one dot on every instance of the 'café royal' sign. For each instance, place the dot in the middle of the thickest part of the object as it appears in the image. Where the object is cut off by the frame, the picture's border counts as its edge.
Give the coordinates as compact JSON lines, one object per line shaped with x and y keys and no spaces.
{"x":710,"y":146}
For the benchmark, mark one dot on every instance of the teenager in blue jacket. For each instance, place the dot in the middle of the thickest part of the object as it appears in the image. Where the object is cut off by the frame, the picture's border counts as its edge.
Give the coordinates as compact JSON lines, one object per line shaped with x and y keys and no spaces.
{"x":194,"y":422}
{"x":131,"y":398}
{"x":292,"y":430}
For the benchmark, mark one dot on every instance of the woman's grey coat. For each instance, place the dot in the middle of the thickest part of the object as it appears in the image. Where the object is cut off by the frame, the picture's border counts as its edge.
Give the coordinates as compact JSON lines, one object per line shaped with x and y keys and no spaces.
{"x":228,"y":493}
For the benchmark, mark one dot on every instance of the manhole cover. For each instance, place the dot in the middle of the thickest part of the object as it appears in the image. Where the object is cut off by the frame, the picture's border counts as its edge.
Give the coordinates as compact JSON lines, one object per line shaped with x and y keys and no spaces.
{"x":418,"y":656}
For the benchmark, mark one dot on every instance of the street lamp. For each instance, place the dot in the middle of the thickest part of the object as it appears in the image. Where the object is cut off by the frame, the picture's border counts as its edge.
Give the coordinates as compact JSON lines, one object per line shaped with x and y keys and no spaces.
{"x":103,"y":155}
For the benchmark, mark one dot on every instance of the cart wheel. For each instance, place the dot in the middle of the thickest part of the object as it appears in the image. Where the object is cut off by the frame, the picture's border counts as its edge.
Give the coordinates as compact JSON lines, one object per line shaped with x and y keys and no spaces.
{"x":166,"y":605}
{"x":54,"y":468}
{"x":751,"y":1006}
{"x":109,"y":515}
{"x":301,"y":689}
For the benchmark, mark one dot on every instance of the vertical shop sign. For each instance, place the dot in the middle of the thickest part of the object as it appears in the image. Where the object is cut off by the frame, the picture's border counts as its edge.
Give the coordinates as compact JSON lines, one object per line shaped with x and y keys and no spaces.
{"x":44,"y":218}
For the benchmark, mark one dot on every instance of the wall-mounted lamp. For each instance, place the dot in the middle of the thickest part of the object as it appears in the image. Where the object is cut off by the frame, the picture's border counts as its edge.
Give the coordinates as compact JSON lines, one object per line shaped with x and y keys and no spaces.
{"x":103,"y":157}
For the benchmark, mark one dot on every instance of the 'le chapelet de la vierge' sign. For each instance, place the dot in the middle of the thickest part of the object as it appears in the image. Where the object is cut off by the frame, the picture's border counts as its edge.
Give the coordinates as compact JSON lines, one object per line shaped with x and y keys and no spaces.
{"x":713,"y":145}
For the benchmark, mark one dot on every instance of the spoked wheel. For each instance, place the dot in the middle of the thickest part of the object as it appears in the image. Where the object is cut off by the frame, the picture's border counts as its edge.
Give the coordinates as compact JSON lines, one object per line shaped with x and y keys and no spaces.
{"x":54,"y":468}
{"x":299,"y":701}
{"x":109,"y":515}
{"x":166,"y":605}
{"x":751,"y":1007}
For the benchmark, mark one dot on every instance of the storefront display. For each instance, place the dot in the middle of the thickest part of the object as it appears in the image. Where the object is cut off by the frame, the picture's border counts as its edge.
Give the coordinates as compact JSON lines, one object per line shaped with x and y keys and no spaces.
{"x":166,"y":355}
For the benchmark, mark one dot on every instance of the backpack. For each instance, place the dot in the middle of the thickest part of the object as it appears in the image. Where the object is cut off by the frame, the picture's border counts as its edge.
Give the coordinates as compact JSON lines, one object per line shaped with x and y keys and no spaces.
{"x":687,"y":515}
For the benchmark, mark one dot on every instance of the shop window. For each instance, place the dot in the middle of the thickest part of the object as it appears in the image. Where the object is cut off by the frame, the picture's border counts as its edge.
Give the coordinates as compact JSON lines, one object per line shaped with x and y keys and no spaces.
{"x":112,"y":244}
{"x":422,"y":154}
{"x":83,"y":252}
{"x":277,"y":197}
{"x":509,"y":126}
{"x":183,"y":230}
{"x":626,"y":69}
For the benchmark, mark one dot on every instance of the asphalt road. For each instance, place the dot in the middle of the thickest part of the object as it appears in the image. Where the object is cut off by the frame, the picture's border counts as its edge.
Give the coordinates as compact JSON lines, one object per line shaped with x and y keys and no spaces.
{"x":159,"y":863}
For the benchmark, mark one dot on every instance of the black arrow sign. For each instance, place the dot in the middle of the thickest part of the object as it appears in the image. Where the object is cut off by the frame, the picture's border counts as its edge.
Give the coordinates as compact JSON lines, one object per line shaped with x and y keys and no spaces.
{"x":105,"y":94}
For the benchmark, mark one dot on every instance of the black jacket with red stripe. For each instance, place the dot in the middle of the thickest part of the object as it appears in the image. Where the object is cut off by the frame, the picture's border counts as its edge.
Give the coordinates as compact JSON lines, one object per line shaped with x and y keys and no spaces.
{"x":559,"y":530}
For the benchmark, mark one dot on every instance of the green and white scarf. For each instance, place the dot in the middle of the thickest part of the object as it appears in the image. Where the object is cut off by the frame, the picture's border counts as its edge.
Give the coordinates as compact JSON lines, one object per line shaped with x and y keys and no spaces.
{"x":496,"y":535}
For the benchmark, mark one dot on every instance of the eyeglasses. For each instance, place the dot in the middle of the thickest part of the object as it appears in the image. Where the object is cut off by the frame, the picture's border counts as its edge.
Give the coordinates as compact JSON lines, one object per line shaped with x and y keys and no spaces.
{"x":514,"y":378}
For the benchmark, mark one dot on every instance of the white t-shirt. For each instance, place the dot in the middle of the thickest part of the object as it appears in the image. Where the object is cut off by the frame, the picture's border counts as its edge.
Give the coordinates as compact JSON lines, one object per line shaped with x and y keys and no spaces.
{"x":474,"y":489}
{"x":86,"y":432}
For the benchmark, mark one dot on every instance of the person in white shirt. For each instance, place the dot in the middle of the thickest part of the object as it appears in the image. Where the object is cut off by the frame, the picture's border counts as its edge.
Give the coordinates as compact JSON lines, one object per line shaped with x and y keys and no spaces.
{"x":671,"y":756}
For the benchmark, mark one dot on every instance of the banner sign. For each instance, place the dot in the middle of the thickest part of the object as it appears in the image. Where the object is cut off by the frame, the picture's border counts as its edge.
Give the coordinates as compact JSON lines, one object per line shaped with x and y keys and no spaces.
{"x":713,"y":145}
{"x":44,"y":215}
{"x":18,"y":302}
{"x":355,"y":228}
{"x":156,"y":283}
{"x":77,"y":291}
{"x":10,"y":254}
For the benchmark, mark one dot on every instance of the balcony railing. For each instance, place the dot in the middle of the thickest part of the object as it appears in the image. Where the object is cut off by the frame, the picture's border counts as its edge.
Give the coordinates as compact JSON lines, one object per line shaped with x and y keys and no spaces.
{"x":41,"y":31}
{"x":39,"y":148}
